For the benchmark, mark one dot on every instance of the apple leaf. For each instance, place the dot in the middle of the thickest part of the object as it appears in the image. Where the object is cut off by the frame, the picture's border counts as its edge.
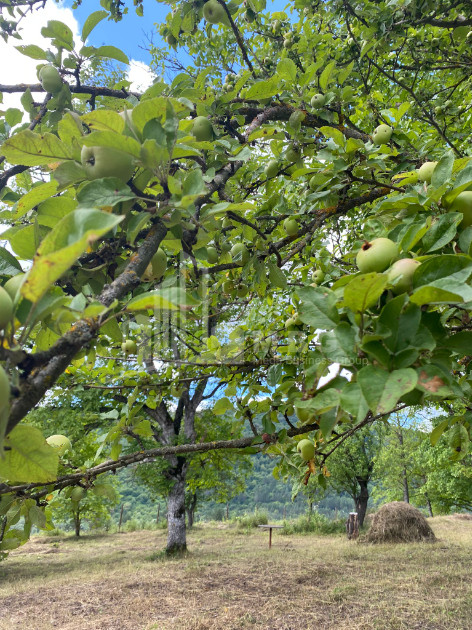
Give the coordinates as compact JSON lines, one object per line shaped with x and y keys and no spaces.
{"x":113,"y":140}
{"x":363,"y":291}
{"x":382,"y":389}
{"x":29,"y":457}
{"x":34,"y":149}
{"x":91,"y":22}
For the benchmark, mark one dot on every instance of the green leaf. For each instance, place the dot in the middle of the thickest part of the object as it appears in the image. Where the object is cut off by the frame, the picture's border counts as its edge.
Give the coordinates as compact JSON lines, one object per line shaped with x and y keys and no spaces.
{"x":114,"y":140}
{"x":442,"y":232}
{"x":194,"y":183}
{"x":34,"y":197}
{"x":452,"y":289}
{"x":352,"y":400}
{"x":35,"y":52}
{"x":111,"y":52}
{"x":104,"y":120}
{"x":339,"y":344}
{"x":276,"y":276}
{"x":263,"y":89}
{"x":327,"y":75}
{"x":91,"y":22}
{"x":60,"y":33}
{"x":318,"y":307}
{"x":9,"y":266}
{"x":173,"y":298}
{"x":108,"y":191}
{"x":438,"y":431}
{"x":30,"y":458}
{"x":332,"y":132}
{"x":443,"y":171}
{"x":34,"y":149}
{"x":222,"y":405}
{"x":63,"y":246}
{"x":383,"y":389}
{"x":287,"y":69}
{"x":363,"y":291}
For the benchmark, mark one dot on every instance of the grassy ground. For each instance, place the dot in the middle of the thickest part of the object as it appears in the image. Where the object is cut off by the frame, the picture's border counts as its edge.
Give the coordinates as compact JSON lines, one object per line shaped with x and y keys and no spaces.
{"x":231,"y":581}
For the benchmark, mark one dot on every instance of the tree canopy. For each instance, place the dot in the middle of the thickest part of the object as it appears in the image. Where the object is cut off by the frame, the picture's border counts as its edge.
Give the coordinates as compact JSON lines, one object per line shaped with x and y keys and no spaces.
{"x":280,"y":227}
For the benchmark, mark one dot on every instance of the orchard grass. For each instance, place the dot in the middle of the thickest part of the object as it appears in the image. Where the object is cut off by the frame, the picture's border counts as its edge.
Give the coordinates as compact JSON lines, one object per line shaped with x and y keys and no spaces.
{"x":230,"y":580}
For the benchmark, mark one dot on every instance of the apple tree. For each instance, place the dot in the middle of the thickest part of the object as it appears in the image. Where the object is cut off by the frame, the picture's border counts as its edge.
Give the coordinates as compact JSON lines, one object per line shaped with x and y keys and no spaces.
{"x":280,"y":229}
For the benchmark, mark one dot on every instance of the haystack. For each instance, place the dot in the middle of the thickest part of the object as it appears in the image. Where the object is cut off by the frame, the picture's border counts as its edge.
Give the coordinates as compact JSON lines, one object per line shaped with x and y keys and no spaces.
{"x":399,"y":522}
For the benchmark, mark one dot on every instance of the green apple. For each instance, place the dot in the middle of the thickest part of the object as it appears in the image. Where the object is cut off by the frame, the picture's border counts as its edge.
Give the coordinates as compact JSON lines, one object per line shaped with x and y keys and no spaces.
{"x":318,"y":101}
{"x":376,"y":255}
{"x":12,"y":286}
{"x":293,"y":154}
{"x":4,"y":389}
{"x":306,"y":448}
{"x":212,"y":255}
{"x":242,"y":290}
{"x":239,"y":253}
{"x":290,"y":323}
{"x":50,"y":79}
{"x":314,"y":182}
{"x":400,"y":275}
{"x":229,"y":288}
{"x":159,"y":263}
{"x":296,"y":119}
{"x":272,"y":168}
{"x":318,"y":275}
{"x":59,"y":442}
{"x":214,"y":13}
{"x":6,"y":308}
{"x":290,"y":226}
{"x":101,"y":162}
{"x":304,"y":415}
{"x":463,"y":203}
{"x":129,"y":346}
{"x":77,"y":494}
{"x":425,"y":172}
{"x":202,"y":129}
{"x":382,"y":134}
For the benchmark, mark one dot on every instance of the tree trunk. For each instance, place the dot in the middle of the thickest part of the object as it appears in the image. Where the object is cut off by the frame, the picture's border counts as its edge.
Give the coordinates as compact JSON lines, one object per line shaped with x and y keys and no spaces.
{"x":428,"y":503}
{"x":77,"y":522}
{"x":362,"y":499}
{"x":406,"y":489}
{"x":227,"y":510}
{"x":191,"y":510}
{"x":176,"y":530}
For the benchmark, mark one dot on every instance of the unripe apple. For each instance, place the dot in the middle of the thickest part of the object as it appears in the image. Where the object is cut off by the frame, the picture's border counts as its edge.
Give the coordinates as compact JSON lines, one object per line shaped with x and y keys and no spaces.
{"x":6,"y":308}
{"x":202,"y":128}
{"x":425,"y":172}
{"x":304,"y":415}
{"x":159,"y":263}
{"x":296,"y":119}
{"x":12,"y":286}
{"x":272,"y":168}
{"x":290,"y":226}
{"x":318,"y":275}
{"x":313,"y":182}
{"x":59,"y":442}
{"x":214,"y":13}
{"x":50,"y":79}
{"x":463,"y":203}
{"x":290,"y":323}
{"x":239,"y":253}
{"x":293,"y":154}
{"x":318,"y":101}
{"x":77,"y":494}
{"x":306,"y":448}
{"x":382,"y":134}
{"x":101,"y":162}
{"x":400,"y":275}
{"x":212,"y":255}
{"x":376,"y":255}
{"x":229,"y":288}
{"x":242,"y":290}
{"x":129,"y":346}
{"x":4,"y":389}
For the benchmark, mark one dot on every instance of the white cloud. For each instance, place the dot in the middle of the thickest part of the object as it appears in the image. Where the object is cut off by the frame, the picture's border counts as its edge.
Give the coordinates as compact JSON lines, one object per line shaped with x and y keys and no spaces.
{"x":17,"y":68}
{"x":140,"y":75}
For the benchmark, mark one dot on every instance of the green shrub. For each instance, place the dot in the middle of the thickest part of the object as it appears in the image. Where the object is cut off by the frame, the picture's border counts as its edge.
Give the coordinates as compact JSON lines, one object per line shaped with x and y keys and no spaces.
{"x":260,"y":517}
{"x":315,"y":524}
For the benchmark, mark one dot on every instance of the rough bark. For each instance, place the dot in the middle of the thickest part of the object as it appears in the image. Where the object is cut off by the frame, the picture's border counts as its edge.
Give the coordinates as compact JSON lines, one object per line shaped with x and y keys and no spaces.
{"x":77,"y":523}
{"x":362,"y":499}
{"x":191,"y":508}
{"x":176,"y":529}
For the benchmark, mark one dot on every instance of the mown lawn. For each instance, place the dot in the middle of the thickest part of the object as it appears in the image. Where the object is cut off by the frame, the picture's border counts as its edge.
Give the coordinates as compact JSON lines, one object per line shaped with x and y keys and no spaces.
{"x":231,"y":581}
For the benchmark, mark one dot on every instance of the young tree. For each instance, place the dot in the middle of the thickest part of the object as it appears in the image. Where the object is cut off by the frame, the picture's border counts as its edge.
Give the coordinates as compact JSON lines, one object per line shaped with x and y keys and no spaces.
{"x":295,"y":196}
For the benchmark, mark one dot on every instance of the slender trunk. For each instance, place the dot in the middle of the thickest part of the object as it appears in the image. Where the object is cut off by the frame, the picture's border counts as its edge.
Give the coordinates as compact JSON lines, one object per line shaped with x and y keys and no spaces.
{"x":77,"y":522}
{"x":191,"y":510}
{"x":227,"y":510}
{"x":406,"y":489}
{"x":428,"y":503}
{"x":361,"y":500}
{"x":176,"y":530}
{"x":310,"y":509}
{"x":158,"y":513}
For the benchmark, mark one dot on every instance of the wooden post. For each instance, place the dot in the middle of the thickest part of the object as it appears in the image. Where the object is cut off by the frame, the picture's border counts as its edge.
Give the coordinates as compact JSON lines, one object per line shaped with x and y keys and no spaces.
{"x":121,"y":517}
{"x":270,"y":537}
{"x":352,"y":526}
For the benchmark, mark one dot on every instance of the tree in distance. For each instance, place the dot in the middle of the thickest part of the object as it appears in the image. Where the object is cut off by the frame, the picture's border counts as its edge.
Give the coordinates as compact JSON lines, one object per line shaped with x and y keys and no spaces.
{"x":50,"y":78}
{"x":101,"y":162}
{"x":61,"y":443}
{"x":290,"y":226}
{"x":318,"y":101}
{"x":463,"y":204}
{"x":6,"y":308}
{"x":272,"y":168}
{"x":382,"y":134}
{"x":306,"y":448}
{"x":129,"y":346}
{"x":425,"y":172}
{"x":202,"y":128}
{"x":400,"y":275}
{"x":214,"y":13}
{"x":376,"y":255}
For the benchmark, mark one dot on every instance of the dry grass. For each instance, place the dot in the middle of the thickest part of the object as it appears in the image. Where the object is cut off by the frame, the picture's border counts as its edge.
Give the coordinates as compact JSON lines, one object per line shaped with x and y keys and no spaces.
{"x":231,"y":581}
